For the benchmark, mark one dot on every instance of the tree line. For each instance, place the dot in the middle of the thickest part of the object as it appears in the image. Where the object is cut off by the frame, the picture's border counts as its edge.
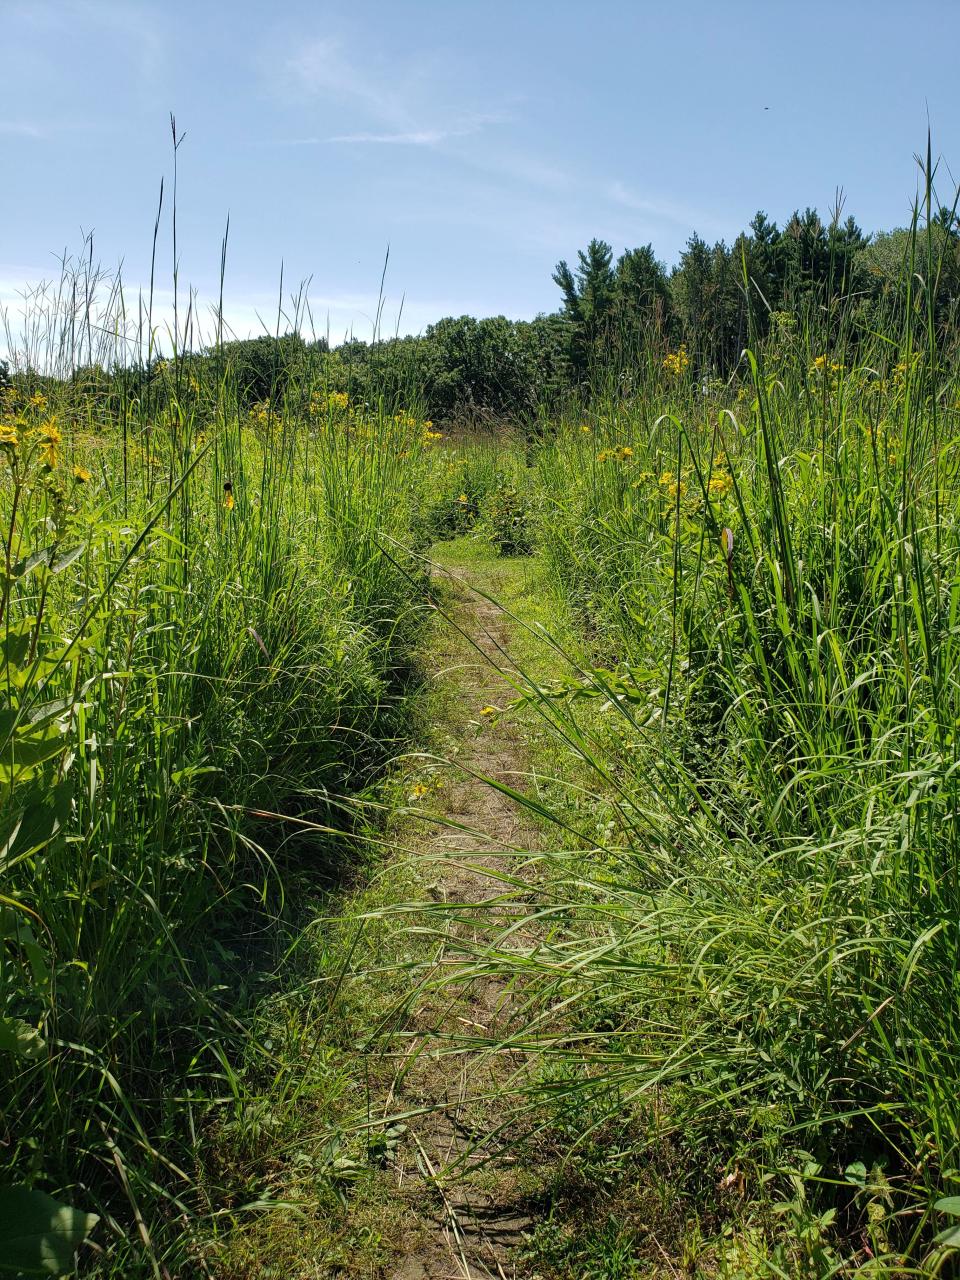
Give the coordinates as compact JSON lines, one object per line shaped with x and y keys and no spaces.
{"x":826,"y":279}
{"x":617,"y":318}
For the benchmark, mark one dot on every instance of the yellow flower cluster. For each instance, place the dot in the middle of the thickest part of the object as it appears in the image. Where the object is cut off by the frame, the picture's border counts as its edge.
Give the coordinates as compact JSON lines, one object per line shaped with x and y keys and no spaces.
{"x":719,"y":485}
{"x":260,"y":413}
{"x":623,"y":453}
{"x":50,"y":441}
{"x":333,"y":403}
{"x":671,"y":486}
{"x":675,"y":362}
{"x":902,"y":369}
{"x":823,"y":365}
{"x":420,"y":790}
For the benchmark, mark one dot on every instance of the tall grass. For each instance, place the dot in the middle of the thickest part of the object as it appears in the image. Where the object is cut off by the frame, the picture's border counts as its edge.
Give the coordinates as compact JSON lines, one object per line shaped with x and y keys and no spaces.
{"x":205,"y":655}
{"x":750,"y":946}
{"x":760,"y":942}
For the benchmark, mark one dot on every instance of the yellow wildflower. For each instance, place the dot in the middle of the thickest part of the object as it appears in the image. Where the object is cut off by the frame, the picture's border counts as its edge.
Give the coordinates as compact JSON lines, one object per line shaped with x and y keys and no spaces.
{"x":719,"y":485}
{"x":38,"y":401}
{"x":418,"y":791}
{"x":462,"y":498}
{"x":668,"y":481}
{"x":50,"y":438}
{"x":488,"y":711}
{"x":824,"y":365}
{"x":81,"y":475}
{"x":8,"y":436}
{"x":675,"y":362}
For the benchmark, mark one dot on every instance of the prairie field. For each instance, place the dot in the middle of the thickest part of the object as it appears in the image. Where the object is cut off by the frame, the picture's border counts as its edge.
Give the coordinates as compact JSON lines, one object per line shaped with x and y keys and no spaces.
{"x":487,"y":803}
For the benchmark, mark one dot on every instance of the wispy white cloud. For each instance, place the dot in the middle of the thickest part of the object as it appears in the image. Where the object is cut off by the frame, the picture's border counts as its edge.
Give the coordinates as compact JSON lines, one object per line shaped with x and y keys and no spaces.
{"x":323,"y":69}
{"x":415,"y":138}
{"x":389,"y":106}
{"x":402,"y":138}
{"x":20,"y":129}
{"x":659,"y":210}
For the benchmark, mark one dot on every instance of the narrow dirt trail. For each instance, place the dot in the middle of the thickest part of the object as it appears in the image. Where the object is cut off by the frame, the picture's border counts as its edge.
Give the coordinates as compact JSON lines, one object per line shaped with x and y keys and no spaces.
{"x":471,"y":1218}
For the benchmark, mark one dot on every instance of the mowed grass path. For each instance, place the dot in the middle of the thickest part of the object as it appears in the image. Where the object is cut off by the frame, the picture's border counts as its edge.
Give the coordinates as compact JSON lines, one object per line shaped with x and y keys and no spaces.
{"x":439,"y":1180}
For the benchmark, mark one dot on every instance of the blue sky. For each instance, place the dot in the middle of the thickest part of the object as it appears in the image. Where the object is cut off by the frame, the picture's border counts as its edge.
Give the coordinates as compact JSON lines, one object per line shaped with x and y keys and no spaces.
{"x":481,"y":140}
